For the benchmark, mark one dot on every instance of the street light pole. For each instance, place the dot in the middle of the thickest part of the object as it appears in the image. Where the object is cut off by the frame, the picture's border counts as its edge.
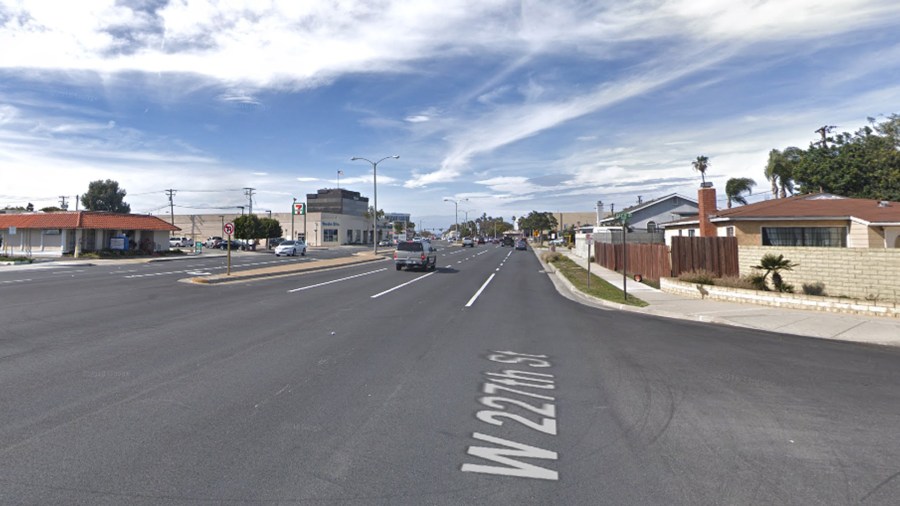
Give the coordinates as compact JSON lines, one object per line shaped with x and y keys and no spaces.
{"x":456,"y":211}
{"x":293,"y":208}
{"x":374,"y":195}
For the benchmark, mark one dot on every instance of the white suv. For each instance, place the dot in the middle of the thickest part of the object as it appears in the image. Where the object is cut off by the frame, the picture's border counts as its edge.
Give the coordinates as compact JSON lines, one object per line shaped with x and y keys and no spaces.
{"x":180,"y":242}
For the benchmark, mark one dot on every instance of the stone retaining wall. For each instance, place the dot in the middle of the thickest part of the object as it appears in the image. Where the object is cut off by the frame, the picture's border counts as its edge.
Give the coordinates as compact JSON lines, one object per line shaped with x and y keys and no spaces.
{"x":786,"y":300}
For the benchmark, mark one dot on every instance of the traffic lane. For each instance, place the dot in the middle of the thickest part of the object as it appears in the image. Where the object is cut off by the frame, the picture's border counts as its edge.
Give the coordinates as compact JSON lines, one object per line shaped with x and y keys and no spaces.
{"x":746,"y":415}
{"x":233,"y":421}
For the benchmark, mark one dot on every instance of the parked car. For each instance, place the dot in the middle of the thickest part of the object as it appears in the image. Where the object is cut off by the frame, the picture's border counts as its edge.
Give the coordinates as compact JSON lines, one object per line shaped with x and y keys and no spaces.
{"x":468,"y":241}
{"x":557,"y":242}
{"x":180,"y":242}
{"x":291,"y":248}
{"x":235,"y":245}
{"x":521,"y":245}
{"x":275,"y":241}
{"x":213,"y":242}
{"x":385,"y":242}
{"x":415,"y":254}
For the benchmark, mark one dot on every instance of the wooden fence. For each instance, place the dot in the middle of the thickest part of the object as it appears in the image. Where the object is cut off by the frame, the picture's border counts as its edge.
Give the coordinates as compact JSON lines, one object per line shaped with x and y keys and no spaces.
{"x":651,"y":261}
{"x":718,"y":255}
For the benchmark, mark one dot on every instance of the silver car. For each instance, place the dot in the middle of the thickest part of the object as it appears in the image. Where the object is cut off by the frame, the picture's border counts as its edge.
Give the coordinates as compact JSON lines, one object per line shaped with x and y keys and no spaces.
{"x":291,"y":248}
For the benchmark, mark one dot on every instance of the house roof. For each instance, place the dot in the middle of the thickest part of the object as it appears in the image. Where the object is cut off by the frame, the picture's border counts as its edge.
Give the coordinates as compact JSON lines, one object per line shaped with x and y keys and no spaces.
{"x":84,"y":220}
{"x":815,"y":206}
{"x":647,"y":204}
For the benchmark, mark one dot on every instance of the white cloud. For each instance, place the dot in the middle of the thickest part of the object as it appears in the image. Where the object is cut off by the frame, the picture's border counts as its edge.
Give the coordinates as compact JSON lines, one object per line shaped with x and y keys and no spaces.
{"x":419,"y":118}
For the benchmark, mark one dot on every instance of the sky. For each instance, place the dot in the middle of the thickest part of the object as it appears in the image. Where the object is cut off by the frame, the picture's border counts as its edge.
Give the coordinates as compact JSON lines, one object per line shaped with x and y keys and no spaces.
{"x":506,"y":107}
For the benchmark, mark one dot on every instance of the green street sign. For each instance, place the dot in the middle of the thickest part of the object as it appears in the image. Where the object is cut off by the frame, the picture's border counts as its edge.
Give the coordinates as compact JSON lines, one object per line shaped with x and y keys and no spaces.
{"x":623,"y":216}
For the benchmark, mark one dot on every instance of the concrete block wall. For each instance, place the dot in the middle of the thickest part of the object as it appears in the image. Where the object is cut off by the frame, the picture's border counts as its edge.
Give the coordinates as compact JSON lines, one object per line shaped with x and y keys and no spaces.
{"x":859,"y":273}
{"x":785,"y":300}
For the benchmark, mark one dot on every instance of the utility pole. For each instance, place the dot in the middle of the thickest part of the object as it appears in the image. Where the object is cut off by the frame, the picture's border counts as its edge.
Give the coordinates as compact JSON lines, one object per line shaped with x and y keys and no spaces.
{"x":171,"y":193}
{"x":249,"y":193}
{"x":63,"y":204}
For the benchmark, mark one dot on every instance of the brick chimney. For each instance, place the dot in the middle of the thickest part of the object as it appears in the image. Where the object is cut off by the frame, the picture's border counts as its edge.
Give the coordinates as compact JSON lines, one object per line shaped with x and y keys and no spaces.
{"x":706,"y":196}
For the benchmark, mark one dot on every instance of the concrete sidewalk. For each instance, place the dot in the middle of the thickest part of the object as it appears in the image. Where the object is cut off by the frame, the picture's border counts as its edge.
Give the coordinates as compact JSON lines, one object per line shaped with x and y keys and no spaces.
{"x":843,"y":327}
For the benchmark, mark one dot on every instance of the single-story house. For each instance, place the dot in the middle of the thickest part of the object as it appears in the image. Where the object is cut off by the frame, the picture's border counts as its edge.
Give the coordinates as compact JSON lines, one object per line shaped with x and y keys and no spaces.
{"x":60,"y":233}
{"x":648,"y":216}
{"x":819,"y":219}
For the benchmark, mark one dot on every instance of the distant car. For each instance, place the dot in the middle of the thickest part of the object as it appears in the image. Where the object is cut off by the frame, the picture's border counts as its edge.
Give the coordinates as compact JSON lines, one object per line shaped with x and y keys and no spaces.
{"x":180,"y":242}
{"x":481,"y":240}
{"x":235,"y":245}
{"x":557,"y":242}
{"x":275,"y":241}
{"x":291,"y":248}
{"x":214,"y":242}
{"x":385,"y":242}
{"x":507,"y":241}
{"x":521,"y":245}
{"x":467,"y":241}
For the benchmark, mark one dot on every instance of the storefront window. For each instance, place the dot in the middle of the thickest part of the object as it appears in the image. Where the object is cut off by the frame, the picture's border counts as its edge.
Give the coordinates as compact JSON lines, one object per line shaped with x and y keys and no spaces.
{"x":329,"y":235}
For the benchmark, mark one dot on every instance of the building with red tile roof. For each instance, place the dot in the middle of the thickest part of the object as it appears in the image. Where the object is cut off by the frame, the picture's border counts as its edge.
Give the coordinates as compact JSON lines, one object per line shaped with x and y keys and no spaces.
{"x":65,"y":232}
{"x":820,"y":219}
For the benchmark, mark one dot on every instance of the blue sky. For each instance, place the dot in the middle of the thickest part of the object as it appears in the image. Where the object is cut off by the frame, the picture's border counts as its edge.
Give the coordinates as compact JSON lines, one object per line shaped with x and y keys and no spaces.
{"x":513,"y":105}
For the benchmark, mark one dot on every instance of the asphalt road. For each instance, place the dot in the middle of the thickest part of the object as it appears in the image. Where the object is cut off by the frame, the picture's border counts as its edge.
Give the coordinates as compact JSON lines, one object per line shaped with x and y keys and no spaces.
{"x":474,"y":384}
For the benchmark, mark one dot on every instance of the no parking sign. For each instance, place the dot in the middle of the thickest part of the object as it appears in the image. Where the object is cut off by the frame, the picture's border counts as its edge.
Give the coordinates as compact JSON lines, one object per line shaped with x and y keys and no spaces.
{"x":228,"y":228}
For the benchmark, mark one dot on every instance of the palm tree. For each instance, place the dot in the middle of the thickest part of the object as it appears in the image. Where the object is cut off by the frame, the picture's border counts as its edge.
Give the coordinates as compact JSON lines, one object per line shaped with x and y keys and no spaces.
{"x":700,"y":165}
{"x":736,"y":187}
{"x":774,"y":265}
{"x":780,"y":170}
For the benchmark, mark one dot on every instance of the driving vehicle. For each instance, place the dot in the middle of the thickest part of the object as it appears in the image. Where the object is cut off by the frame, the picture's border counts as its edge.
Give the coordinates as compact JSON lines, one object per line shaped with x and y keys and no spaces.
{"x":291,"y":248}
{"x":507,"y":241}
{"x":481,"y":240}
{"x":385,"y":242}
{"x":468,"y":241}
{"x":521,"y":245}
{"x":415,"y":254}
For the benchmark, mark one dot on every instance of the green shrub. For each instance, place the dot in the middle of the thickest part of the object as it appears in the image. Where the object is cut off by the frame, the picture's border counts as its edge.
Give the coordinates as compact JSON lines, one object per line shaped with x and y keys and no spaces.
{"x":758,"y":282}
{"x":816,"y":288}
{"x":700,"y":276}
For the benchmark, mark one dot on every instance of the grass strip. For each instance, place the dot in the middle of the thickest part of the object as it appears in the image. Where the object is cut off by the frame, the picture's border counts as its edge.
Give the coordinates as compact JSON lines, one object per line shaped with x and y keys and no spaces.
{"x":600,"y":288}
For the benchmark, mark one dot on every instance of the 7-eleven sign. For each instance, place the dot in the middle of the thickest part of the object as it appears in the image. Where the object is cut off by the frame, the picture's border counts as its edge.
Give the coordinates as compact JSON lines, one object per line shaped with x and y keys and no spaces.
{"x":300,"y":208}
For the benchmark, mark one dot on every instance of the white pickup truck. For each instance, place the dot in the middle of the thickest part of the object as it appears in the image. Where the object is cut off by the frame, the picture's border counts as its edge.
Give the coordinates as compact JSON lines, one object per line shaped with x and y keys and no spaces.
{"x":415,"y":254}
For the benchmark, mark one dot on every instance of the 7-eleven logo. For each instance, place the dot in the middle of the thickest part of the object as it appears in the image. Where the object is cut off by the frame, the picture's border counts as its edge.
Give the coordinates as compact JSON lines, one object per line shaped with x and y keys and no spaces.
{"x":300,"y":208}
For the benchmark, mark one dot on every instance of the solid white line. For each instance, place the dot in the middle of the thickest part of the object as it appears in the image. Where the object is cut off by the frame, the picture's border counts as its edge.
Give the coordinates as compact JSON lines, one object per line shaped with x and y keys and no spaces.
{"x":336,"y":280}
{"x":472,"y":300}
{"x":401,"y":286}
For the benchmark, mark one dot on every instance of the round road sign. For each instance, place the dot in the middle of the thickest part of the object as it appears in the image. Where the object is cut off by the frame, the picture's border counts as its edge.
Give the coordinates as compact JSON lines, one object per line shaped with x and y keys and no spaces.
{"x":228,"y":228}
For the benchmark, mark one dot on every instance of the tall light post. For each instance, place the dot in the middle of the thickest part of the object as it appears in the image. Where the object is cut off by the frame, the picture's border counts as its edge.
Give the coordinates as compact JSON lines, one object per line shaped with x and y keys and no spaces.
{"x":293,"y":210}
{"x":456,"y":211}
{"x":374,"y":195}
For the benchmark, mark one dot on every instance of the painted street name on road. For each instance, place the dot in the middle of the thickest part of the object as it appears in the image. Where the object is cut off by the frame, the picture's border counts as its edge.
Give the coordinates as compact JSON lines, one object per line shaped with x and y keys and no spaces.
{"x":499,"y":387}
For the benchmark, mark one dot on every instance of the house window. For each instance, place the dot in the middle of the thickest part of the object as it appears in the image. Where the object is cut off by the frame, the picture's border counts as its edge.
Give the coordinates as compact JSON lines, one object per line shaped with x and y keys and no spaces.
{"x":651,"y":226}
{"x":329,"y":235}
{"x":691,"y":232}
{"x":828,"y":237}
{"x":729,"y":231}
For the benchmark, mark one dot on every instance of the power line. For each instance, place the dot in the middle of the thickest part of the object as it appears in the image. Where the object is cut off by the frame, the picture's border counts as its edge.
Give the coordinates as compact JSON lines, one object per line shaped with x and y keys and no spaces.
{"x":249,"y":193}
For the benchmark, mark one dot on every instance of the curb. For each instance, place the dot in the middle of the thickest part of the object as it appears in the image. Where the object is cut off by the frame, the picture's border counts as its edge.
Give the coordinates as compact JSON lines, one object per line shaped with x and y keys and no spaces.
{"x":577,"y":295}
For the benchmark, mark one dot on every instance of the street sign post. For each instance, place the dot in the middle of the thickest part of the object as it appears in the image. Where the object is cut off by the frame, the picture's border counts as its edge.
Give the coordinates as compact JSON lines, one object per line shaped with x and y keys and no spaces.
{"x":300,"y":208}
{"x":228,"y":228}
{"x":590,"y":250}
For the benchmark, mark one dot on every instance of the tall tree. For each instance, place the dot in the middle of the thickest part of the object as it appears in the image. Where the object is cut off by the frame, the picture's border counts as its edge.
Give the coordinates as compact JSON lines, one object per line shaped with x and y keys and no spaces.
{"x":865,"y":164}
{"x":700,"y":165}
{"x":780,"y":170}
{"x":105,"y":196}
{"x":736,"y":187}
